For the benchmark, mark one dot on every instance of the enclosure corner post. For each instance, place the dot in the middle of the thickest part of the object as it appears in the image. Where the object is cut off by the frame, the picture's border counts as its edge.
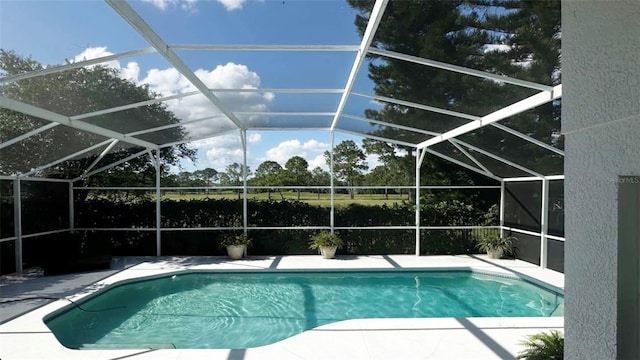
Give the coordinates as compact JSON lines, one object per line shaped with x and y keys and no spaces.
{"x":245,"y":217}
{"x":158,"y":203}
{"x":331,"y":184}
{"x":17,"y":222}
{"x":544,"y":223}
{"x":417,"y":202}
{"x":502,"y":191}
{"x":71,"y":207}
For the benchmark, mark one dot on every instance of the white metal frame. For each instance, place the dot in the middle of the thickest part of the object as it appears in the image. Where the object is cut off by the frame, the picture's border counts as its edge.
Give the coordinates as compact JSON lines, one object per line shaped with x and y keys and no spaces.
{"x":367,"y":38}
{"x":547,"y":93}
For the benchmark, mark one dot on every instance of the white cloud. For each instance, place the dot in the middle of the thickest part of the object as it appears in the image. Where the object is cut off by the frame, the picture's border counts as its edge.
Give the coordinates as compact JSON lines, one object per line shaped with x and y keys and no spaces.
{"x":97,"y":52}
{"x":254,"y":138}
{"x":169,"y":82}
{"x":311,"y":150}
{"x":284,"y":151}
{"x":231,"y":5}
{"x":187,"y":5}
{"x":220,"y":151}
{"x":315,"y":145}
{"x":318,"y":161}
{"x":372,"y":160}
{"x":131,"y":71}
{"x":228,"y":76}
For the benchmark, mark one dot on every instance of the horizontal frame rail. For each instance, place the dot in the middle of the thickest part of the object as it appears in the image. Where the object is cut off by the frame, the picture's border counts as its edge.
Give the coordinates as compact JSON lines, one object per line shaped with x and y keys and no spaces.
{"x":288,"y":187}
{"x":318,"y":227}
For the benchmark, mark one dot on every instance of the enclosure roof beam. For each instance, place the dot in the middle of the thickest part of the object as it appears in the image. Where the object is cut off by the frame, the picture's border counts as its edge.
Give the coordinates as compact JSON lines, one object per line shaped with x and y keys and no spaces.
{"x":132,"y":105}
{"x":109,"y":166}
{"x":470,"y":157}
{"x":379,"y":138}
{"x":29,"y":178}
{"x":498,"y":158}
{"x":279,"y":128}
{"x":527,"y":138}
{"x":284,"y":113}
{"x":191,"y":93}
{"x":460,"y":163}
{"x":136,"y":21}
{"x":102,"y":155}
{"x":281,"y":90}
{"x":27,"y":135}
{"x":459,"y":69}
{"x":384,"y":123}
{"x":68,"y":157}
{"x":508,"y":111}
{"x":418,"y":106}
{"x":234,"y":131}
{"x":65,"y":120}
{"x":74,"y":65}
{"x":171,"y":126}
{"x":268,"y":47}
{"x":367,"y":38}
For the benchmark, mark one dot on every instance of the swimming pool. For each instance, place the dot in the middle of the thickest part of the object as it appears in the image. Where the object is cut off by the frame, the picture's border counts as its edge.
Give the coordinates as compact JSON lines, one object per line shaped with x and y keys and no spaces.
{"x":241,"y":310}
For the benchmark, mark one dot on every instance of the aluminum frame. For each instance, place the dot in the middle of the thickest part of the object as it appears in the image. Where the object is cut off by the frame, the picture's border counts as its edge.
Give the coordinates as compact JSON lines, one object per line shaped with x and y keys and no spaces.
{"x":547,"y":94}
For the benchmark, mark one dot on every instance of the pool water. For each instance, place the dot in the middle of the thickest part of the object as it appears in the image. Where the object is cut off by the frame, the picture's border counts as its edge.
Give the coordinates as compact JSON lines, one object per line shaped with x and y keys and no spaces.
{"x":241,"y":310}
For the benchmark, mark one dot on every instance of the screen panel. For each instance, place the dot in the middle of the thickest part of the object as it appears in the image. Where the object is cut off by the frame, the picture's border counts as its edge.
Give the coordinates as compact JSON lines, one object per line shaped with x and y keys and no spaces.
{"x":523,"y":204}
{"x":44,"y":148}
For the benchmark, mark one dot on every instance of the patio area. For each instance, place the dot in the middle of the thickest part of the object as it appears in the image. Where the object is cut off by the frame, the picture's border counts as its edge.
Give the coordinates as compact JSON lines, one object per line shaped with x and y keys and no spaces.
{"x":423,"y":338}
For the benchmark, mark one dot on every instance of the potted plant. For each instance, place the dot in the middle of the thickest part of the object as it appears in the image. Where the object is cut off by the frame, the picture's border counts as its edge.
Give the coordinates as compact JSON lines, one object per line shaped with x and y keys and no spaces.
{"x":326,"y":242}
{"x":495,"y":245}
{"x":236,"y":245}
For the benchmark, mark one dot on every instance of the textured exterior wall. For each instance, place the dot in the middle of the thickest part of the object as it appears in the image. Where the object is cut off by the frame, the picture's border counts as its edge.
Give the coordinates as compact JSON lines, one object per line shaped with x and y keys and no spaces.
{"x":601,"y":121}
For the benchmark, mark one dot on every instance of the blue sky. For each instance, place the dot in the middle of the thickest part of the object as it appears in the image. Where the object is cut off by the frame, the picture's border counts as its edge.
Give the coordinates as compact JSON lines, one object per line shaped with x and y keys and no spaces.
{"x":52,"y":31}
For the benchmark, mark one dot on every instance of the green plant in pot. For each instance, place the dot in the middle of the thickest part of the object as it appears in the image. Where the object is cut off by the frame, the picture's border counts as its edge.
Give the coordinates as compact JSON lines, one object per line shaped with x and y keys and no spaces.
{"x":326,"y":243}
{"x":236,"y":244}
{"x":495,"y":245}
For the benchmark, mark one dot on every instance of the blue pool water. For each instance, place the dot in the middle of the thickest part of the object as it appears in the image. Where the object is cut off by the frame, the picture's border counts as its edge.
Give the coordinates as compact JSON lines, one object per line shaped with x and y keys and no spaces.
{"x":233,"y":310}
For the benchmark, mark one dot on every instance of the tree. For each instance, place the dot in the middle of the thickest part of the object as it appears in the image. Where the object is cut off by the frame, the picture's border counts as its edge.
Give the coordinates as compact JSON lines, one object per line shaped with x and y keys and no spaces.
{"x":348,"y":163}
{"x":208,"y":176}
{"x":320,"y":177}
{"x":74,"y":92}
{"x":268,"y":173}
{"x":296,"y":172}
{"x":526,"y":35}
{"x":397,"y":169}
{"x":234,"y":175}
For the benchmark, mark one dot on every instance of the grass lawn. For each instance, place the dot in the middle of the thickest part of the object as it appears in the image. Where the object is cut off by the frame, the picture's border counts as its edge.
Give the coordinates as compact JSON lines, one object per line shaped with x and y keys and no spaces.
{"x":323,"y":199}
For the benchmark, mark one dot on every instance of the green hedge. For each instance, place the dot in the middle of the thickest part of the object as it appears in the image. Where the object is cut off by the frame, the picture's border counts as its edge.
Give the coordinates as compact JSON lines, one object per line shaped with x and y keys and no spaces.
{"x":214,"y":213}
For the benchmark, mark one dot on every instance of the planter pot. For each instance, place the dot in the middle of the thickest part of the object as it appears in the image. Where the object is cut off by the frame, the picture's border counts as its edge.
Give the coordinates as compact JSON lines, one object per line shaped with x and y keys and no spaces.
{"x":328,"y":252}
{"x":236,"y":252}
{"x":495,"y":253}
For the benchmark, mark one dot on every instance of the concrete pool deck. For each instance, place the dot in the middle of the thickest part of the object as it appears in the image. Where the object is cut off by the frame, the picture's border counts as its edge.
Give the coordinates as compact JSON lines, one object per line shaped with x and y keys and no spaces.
{"x":27,"y":337}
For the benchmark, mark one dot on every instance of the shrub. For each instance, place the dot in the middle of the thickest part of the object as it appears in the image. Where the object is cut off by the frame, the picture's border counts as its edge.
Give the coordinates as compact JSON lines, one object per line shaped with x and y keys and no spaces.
{"x":543,"y":346}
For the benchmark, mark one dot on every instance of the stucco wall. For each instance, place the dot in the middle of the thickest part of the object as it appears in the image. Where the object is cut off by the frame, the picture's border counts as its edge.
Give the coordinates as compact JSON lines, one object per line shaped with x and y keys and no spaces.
{"x":601,"y":121}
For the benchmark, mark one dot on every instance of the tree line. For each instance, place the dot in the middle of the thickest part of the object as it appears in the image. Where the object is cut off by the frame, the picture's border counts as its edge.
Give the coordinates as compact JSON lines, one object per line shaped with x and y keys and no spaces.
{"x":348,"y":162}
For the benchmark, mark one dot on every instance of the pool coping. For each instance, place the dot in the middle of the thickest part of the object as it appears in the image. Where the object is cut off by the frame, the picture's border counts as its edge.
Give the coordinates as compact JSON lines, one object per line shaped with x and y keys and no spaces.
{"x":355,"y":339}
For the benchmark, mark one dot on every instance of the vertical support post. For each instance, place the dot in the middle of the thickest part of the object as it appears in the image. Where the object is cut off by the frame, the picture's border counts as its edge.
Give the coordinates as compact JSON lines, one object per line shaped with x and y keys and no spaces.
{"x":71,"y":207}
{"x":544,"y":223}
{"x":245,"y":216}
{"x":418,"y":163}
{"x":502,"y":192}
{"x":158,"y":202}
{"x":17,"y":222}
{"x":332,"y":201}
{"x":245,"y":220}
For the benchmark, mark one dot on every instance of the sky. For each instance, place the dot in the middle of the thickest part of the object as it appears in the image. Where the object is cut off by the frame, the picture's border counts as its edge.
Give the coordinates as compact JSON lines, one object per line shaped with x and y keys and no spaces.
{"x":53,"y":32}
